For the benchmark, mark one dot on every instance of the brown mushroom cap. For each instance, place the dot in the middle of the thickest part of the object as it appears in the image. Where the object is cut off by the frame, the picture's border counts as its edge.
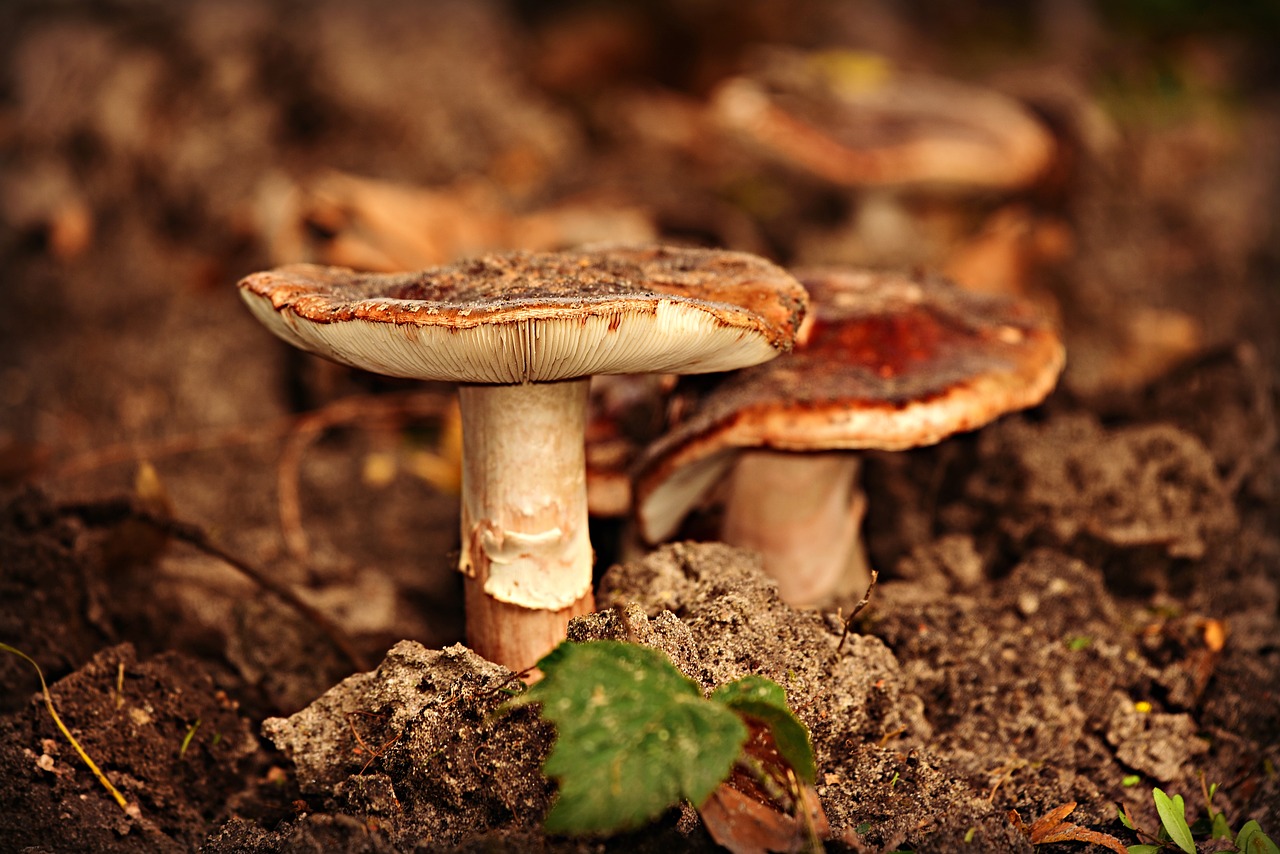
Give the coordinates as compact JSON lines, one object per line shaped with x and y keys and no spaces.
{"x":891,"y":362}
{"x":858,"y":124}
{"x":536,"y":317}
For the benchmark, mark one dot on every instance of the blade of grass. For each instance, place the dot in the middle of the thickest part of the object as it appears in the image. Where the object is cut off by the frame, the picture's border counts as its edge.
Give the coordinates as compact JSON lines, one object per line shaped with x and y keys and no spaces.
{"x":53,"y":713}
{"x":186,"y":739}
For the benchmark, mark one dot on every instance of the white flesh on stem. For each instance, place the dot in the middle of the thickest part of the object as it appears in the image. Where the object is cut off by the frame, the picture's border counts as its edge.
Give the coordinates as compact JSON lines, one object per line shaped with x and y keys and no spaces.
{"x":526,"y":550}
{"x":802,"y":511}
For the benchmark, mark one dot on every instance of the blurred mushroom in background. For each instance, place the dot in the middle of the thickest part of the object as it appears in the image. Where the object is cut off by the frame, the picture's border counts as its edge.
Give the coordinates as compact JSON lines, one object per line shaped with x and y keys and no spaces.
{"x":920,"y":158}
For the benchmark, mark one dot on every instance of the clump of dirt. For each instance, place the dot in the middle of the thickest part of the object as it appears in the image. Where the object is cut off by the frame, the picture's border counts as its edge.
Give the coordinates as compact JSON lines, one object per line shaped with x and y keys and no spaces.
{"x":740,"y":626}
{"x":174,"y":743}
{"x":419,"y":747}
{"x":1151,"y":487}
{"x":1037,"y":689}
{"x":45,"y":571}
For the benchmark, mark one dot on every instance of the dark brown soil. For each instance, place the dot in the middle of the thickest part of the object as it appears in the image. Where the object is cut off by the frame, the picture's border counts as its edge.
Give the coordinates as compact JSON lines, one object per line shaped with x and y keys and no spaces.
{"x":1078,"y":603}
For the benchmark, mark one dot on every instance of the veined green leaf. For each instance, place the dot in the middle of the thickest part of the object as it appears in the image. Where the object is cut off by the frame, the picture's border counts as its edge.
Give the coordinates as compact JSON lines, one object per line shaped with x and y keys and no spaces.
{"x":766,"y":701}
{"x":634,"y":736}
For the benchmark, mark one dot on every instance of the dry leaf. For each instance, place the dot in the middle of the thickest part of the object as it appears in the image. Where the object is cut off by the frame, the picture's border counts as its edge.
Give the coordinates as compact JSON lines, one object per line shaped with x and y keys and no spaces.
{"x":1053,"y":827}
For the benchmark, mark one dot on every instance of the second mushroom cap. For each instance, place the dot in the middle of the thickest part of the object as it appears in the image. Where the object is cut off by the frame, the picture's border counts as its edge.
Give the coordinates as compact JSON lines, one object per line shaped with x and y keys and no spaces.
{"x":891,"y":361}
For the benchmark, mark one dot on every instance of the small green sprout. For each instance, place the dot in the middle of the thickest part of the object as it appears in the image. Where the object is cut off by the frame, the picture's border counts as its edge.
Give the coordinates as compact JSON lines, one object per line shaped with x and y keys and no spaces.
{"x":186,"y":739}
{"x":1175,"y":832}
{"x":1173,"y":816}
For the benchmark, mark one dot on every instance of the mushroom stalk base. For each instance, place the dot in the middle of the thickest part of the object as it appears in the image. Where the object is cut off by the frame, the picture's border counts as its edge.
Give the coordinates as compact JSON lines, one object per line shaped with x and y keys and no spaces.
{"x":802,"y":511}
{"x":526,"y":551}
{"x":513,"y":636}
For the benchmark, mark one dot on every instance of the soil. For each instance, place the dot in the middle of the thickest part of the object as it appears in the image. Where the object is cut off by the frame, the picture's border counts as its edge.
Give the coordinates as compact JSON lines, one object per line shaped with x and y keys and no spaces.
{"x":1075,"y":604}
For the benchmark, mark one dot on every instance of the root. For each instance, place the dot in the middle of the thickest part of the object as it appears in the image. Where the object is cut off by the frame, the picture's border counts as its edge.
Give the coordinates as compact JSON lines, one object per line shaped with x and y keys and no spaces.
{"x":111,"y":512}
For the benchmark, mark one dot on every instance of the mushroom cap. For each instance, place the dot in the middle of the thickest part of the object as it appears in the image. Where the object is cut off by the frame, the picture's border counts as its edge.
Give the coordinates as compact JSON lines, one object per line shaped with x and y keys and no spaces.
{"x":890,"y":362}
{"x":858,"y":123}
{"x":539,"y":317}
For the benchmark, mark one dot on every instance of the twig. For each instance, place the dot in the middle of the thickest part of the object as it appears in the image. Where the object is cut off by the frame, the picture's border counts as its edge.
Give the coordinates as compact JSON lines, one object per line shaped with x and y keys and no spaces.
{"x":181,"y":443}
{"x":300,"y":431}
{"x":857,"y":609}
{"x":113,"y":511}
{"x":374,"y":755}
{"x":309,"y":427}
{"x":1006,"y":773}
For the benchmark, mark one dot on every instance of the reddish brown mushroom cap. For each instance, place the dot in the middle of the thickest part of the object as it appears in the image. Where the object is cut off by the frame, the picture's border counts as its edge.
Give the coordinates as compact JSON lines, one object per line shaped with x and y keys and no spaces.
{"x":891,"y":362}
{"x":535,"y":317}
{"x":827,"y":114}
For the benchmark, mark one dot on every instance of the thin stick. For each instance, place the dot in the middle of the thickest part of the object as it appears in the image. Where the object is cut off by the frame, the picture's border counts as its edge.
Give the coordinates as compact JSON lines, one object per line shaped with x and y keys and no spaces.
{"x":300,"y":430}
{"x":374,"y":755}
{"x":113,"y":511}
{"x":857,"y":609}
{"x":181,"y":443}
{"x":309,"y":427}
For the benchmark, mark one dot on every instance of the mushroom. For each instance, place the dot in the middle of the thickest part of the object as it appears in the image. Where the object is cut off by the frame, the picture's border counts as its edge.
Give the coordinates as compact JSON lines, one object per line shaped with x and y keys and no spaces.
{"x":522,"y":333}
{"x":890,"y":362}
{"x":854,"y":121}
{"x":918,"y":157}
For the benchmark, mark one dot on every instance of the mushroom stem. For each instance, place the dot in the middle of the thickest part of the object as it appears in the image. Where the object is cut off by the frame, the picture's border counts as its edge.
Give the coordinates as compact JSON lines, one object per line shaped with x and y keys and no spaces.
{"x":802,"y":511}
{"x":526,"y":550}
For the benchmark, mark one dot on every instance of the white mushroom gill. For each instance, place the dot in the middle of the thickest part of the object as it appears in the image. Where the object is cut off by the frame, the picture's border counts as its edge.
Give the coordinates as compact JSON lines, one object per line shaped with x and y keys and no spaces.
{"x":671,"y":337}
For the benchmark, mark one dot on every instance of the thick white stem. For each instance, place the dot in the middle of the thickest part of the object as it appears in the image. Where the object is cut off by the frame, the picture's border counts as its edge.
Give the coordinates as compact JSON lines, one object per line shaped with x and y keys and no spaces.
{"x":526,"y":549}
{"x":802,"y":512}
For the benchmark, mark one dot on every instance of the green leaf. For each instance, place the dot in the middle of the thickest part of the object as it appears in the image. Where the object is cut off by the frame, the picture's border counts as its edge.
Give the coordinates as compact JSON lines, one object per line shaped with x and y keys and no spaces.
{"x":766,"y":701}
{"x":1144,"y":848}
{"x":1220,"y":829}
{"x":1173,"y":816}
{"x":1124,"y":817}
{"x":634,"y":736}
{"x":1253,"y":841}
